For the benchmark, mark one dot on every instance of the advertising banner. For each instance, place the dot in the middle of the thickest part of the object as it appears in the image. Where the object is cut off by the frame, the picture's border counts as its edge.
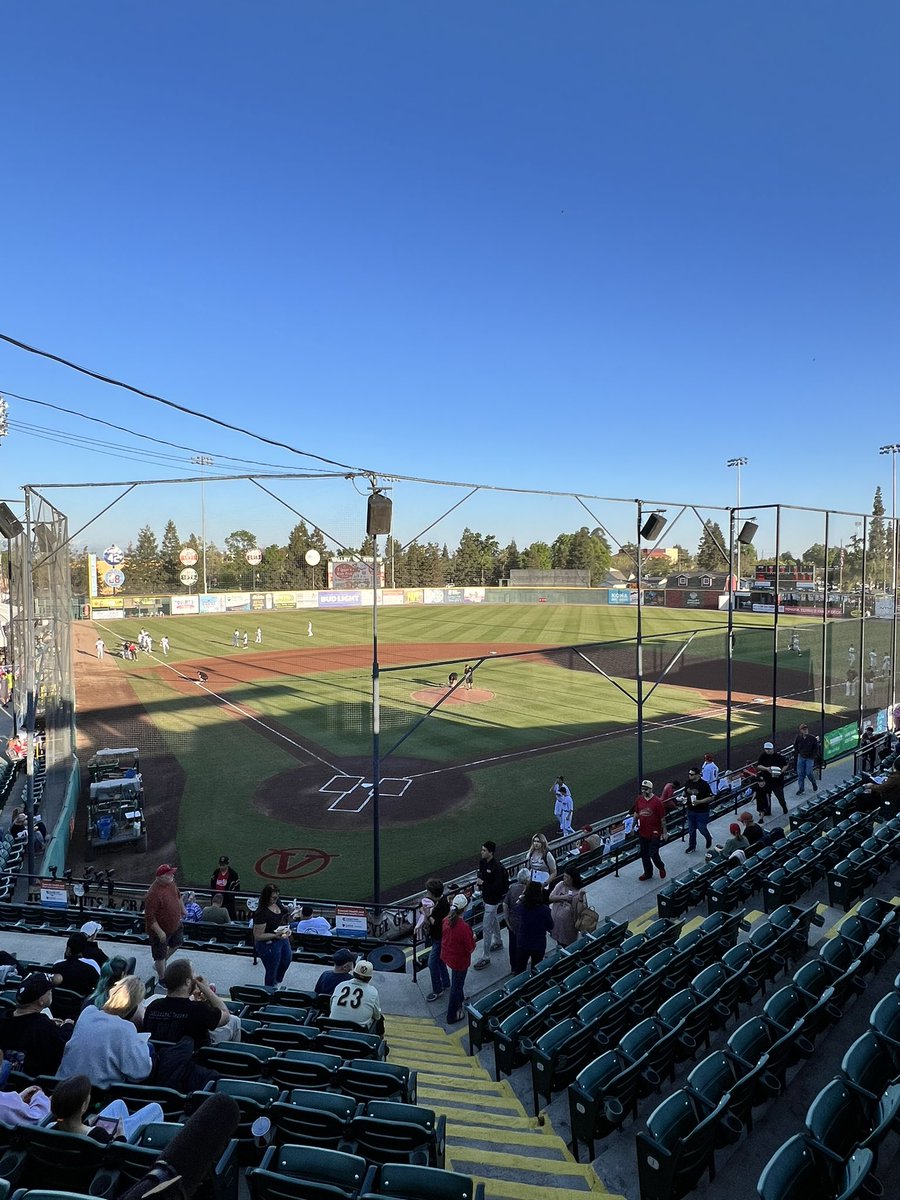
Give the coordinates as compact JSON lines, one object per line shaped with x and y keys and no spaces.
{"x":260,"y":601}
{"x":306,"y":599}
{"x":473,"y":595}
{"x":391,"y":596}
{"x":344,"y":599}
{"x":433,"y":595}
{"x":453,"y":595}
{"x":840,"y":740}
{"x":414,"y":595}
{"x":237,"y":602}
{"x":54,"y":893}
{"x":653,"y":599}
{"x":212,"y":604}
{"x":621,"y":596}
{"x":284,"y":599}
{"x":353,"y":573}
{"x":108,"y":602}
{"x":183,"y":606}
{"x":350,"y":922}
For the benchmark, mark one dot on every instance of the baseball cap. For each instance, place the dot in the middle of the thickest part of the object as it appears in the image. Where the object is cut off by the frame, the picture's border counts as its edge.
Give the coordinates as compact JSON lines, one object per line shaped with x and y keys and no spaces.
{"x":363,"y":969}
{"x":34,"y":987}
{"x":91,"y":928}
{"x":768,"y":745}
{"x":461,"y":902}
{"x":647,"y":783}
{"x":734,"y":828}
{"x":340,"y":958}
{"x":164,"y":869}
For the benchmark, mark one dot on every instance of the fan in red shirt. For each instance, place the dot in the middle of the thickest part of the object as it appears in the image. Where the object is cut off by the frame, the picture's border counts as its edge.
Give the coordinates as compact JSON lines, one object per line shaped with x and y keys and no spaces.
{"x":650,"y":812}
{"x":457,"y":948}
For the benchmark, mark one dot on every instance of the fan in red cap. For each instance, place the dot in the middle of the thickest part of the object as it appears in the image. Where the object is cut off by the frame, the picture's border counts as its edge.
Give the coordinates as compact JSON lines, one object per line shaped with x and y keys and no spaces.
{"x":163,"y":916}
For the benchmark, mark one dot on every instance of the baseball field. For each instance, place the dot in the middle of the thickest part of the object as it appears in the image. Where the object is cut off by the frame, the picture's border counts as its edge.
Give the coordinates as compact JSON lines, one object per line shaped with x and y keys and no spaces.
{"x":269,"y":757}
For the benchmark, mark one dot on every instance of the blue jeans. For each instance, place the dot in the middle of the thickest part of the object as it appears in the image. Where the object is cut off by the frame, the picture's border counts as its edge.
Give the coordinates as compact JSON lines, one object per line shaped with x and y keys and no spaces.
{"x":457,"y":994}
{"x":276,"y":958}
{"x":806,"y":769}
{"x":697,"y":823}
{"x":440,"y":976}
{"x":650,"y":854}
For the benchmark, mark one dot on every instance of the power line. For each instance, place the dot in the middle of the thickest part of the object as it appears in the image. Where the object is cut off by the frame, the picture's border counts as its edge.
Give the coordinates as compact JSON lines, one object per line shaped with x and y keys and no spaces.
{"x":134,"y":433}
{"x":191,"y":412}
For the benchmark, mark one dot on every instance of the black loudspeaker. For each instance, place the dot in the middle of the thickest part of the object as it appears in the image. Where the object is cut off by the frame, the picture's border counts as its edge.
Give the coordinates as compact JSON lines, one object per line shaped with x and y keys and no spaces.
{"x":378,"y":519}
{"x":10,"y":525}
{"x":653,"y":527}
{"x":747,"y":533}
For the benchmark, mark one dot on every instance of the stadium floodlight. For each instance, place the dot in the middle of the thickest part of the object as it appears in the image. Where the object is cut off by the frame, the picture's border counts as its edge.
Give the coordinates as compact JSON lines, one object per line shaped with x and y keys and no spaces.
{"x":738,"y":462}
{"x":201,"y":461}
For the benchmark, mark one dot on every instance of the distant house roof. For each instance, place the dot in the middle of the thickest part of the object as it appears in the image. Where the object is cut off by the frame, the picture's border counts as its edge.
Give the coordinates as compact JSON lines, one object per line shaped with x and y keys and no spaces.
{"x":705,"y":579}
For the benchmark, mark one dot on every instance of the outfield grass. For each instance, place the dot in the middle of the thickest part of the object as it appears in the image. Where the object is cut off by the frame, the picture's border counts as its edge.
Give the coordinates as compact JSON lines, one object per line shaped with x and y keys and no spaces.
{"x":537,"y":705}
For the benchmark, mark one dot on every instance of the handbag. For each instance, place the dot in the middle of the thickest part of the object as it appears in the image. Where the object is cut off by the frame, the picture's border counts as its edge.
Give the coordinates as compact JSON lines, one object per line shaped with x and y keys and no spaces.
{"x":588,"y":919}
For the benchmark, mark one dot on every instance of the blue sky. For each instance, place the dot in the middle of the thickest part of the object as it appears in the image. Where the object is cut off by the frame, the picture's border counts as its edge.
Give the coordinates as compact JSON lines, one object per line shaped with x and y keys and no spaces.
{"x":580,"y":246}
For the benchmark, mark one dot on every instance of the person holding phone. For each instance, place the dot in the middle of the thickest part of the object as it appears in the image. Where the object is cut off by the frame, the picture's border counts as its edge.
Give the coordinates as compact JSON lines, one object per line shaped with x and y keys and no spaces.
{"x":71,"y":1100}
{"x":272,"y":935}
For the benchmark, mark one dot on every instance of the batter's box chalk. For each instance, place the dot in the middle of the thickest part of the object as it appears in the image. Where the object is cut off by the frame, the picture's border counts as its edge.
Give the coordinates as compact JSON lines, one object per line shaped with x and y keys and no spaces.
{"x":341,"y":783}
{"x":394,"y":787}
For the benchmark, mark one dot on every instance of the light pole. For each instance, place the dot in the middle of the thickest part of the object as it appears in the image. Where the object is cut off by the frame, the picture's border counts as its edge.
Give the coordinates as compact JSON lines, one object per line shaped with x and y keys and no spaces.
{"x":893,"y":449}
{"x":737,"y":463}
{"x":202,"y":460}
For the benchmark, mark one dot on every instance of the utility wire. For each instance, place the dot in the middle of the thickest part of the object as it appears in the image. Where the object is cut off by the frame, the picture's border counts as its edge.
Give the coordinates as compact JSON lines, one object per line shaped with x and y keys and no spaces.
{"x":191,"y":412}
{"x":134,"y":433}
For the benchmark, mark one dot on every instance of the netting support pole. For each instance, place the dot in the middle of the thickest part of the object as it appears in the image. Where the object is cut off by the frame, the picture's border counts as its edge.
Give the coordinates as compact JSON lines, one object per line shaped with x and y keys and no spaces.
{"x":729,"y":650}
{"x":863,"y":601}
{"x":28,"y":647}
{"x":824,"y":668}
{"x":639,"y":653}
{"x":775,"y":619}
{"x":376,"y":739}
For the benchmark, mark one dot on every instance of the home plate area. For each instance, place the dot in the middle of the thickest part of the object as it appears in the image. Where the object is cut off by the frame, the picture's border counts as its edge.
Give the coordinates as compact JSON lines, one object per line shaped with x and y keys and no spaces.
{"x":353,"y":792}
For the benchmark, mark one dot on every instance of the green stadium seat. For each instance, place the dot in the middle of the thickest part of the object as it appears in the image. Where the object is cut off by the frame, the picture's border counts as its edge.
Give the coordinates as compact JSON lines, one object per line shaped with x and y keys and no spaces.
{"x":401,"y":1182}
{"x":244,"y":1061}
{"x":369,"y":1079}
{"x":388,"y":1132}
{"x":303,"y":1069}
{"x":800,"y":1169}
{"x":678,"y":1146}
{"x":841,"y":1119}
{"x":310,"y":1118}
{"x":602,"y":1096}
{"x":70,"y":1160}
{"x":306,"y":1173}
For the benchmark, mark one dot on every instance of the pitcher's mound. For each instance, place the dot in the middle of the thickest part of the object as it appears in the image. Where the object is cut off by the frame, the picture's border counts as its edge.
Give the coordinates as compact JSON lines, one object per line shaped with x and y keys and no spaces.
{"x":431,"y":695}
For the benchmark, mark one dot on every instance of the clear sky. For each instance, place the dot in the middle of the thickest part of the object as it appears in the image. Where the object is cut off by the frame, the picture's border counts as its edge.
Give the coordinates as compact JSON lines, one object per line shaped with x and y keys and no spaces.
{"x":583,"y":246}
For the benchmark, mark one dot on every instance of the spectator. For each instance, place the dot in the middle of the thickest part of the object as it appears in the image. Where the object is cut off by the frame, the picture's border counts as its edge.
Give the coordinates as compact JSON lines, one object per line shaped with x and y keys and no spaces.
{"x":736,"y":841}
{"x":215,"y":912}
{"x":343,"y":964}
{"x":192,"y":910}
{"x":770,"y":779}
{"x":28,"y":1107}
{"x":111,"y":972}
{"x":493,"y":883}
{"x":357,"y":1000}
{"x":91,"y":929}
{"x":806,"y":755}
{"x":697,"y":798}
{"x":105,"y":1044}
{"x":752,"y":832}
{"x":668,"y":792}
{"x":29,"y":1033}
{"x":590,"y":841}
{"x":540,"y":862}
{"x":310,"y":924}
{"x":440,"y":976}
{"x":514,"y":914}
{"x":272,"y":935}
{"x":71,"y":1100}
{"x":457,"y":948}
{"x":190,"y":1008}
{"x":225,"y":881}
{"x":567,"y":903}
{"x":889,"y":790}
{"x":650,"y":813}
{"x":76,"y":972}
{"x":163,"y":917}
{"x":535,"y":923}
{"x":867,"y":748}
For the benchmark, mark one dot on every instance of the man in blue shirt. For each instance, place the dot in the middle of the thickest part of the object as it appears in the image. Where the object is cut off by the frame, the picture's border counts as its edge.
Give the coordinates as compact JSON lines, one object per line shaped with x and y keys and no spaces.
{"x":343,"y":964}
